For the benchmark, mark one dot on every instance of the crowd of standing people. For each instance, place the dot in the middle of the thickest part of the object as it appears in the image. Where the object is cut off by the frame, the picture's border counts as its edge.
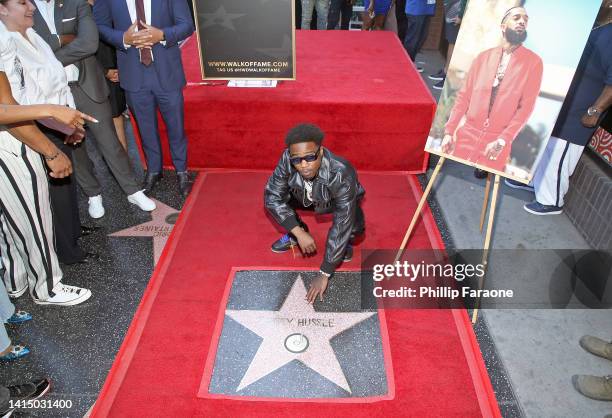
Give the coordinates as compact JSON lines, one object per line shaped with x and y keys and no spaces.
{"x":68,"y":68}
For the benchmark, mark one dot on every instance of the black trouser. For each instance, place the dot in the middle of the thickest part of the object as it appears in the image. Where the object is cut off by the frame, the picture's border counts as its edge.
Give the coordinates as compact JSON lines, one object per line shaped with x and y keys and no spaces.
{"x":358,"y":224}
{"x":65,"y":207}
{"x":297,"y":5}
{"x":402,"y":20}
{"x":336,"y":8}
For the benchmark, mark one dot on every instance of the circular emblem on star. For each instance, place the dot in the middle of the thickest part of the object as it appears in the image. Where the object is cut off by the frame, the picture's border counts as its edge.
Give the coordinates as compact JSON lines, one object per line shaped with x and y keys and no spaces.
{"x":296,"y":343}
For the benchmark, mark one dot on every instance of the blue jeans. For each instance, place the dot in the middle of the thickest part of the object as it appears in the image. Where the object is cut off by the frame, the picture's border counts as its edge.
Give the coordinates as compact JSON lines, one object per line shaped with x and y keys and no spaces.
{"x":416,"y":32}
{"x":322,"y":10}
{"x":7,"y":309}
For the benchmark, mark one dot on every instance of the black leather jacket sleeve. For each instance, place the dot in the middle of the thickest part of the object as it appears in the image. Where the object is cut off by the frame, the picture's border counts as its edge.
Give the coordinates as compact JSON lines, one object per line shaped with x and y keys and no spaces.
{"x":277,"y":194}
{"x":344,"y":191}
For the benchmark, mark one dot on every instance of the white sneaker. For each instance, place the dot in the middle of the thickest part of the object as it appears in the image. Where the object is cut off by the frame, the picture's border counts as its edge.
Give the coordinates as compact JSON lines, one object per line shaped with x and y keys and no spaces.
{"x":17,"y":293}
{"x":66,"y":295}
{"x":96,"y":210}
{"x":142,"y":201}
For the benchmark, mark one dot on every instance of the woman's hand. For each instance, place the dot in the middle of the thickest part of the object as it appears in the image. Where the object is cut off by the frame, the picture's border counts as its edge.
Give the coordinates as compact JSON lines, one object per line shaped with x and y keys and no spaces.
{"x":69,"y":116}
{"x":60,"y":166}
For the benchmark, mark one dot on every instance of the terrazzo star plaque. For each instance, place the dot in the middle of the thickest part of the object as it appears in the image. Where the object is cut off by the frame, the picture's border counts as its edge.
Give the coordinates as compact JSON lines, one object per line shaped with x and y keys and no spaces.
{"x":159,"y":228}
{"x":274,"y":344}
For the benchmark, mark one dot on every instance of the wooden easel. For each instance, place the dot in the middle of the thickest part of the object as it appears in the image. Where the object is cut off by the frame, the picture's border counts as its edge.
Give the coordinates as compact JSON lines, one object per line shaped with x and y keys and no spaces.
{"x":487,"y":241}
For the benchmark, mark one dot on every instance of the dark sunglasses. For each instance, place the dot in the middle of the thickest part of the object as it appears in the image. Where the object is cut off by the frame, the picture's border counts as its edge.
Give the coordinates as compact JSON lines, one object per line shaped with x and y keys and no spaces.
{"x":308,"y":158}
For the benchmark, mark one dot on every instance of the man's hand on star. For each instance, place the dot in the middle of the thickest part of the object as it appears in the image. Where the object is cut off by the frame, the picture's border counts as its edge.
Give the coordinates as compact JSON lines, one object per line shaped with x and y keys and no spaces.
{"x":317,"y":288}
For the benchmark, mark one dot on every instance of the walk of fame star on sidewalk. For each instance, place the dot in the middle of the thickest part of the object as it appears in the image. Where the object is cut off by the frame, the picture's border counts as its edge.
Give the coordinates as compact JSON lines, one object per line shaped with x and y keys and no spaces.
{"x":159,"y":228}
{"x":296,"y":332}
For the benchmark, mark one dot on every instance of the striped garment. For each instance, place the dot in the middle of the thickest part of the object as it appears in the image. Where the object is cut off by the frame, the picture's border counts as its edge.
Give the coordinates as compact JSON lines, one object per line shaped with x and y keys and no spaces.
{"x":27,"y":247}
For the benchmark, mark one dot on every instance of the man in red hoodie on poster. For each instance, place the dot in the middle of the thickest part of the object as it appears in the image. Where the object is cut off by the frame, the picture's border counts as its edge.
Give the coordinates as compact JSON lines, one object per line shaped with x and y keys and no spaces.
{"x":496,"y":99}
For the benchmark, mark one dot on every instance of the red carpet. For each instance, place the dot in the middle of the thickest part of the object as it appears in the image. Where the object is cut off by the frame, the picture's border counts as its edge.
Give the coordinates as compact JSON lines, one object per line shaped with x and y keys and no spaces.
{"x":437,"y":368}
{"x":360,"y":87}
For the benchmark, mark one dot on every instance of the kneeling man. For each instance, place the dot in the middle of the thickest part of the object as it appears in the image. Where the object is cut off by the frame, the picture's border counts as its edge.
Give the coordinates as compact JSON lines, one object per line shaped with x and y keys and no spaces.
{"x":310,"y":176}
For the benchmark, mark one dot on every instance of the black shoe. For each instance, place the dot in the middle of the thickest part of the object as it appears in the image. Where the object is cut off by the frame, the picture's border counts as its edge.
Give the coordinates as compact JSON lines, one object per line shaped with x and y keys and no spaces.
{"x":439,"y":85}
{"x":440,"y":75}
{"x":32,"y":390}
{"x":184,"y":183}
{"x":151,"y":180}
{"x":26,"y":392}
{"x":89,"y":258}
{"x":86,"y":230}
{"x":348,"y":254}
{"x":518,"y":185}
{"x":284,"y":243}
{"x":480,"y":174}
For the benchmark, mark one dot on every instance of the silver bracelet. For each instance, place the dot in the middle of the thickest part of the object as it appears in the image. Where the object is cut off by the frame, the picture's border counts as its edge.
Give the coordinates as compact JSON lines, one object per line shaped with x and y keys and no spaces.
{"x":328,"y":275}
{"x":53,"y":157}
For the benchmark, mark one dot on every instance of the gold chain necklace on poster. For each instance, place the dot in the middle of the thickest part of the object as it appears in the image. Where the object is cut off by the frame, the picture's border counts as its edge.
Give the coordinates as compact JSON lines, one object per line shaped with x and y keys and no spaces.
{"x":607,"y":22}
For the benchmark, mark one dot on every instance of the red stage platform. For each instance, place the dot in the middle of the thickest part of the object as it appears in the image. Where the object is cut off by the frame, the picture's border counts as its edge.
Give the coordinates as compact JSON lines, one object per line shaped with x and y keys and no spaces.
{"x":360,"y":87}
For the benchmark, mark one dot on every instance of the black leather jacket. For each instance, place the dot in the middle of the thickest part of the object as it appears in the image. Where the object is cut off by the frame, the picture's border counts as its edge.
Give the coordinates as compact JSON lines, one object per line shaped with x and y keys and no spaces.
{"x":336,"y":190}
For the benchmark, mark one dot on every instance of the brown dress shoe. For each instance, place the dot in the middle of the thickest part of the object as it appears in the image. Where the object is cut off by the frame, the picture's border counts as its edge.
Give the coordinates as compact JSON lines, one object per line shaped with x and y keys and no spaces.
{"x":597,"y":346}
{"x":594,"y":387}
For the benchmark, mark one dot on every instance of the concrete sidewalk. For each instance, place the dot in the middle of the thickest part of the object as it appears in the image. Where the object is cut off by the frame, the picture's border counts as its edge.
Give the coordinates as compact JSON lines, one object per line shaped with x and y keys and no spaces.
{"x":538,"y":348}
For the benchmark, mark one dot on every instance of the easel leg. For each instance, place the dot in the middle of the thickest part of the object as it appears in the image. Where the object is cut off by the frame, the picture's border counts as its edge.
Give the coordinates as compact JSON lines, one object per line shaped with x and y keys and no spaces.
{"x":485,"y":202}
{"x":417,"y":213}
{"x":487,"y":242}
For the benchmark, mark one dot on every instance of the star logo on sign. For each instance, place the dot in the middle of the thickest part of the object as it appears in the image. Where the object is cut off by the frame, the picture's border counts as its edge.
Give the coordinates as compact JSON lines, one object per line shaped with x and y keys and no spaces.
{"x":159,"y":228}
{"x":296,"y":332}
{"x":220,"y":17}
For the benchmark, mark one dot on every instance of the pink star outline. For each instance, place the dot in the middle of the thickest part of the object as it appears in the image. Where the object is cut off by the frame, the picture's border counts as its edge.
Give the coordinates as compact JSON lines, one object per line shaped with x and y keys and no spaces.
{"x":157,"y":228}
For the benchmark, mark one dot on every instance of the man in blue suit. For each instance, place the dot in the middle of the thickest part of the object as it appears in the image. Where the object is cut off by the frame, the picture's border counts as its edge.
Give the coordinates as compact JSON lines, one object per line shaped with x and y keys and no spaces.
{"x":146,"y":34}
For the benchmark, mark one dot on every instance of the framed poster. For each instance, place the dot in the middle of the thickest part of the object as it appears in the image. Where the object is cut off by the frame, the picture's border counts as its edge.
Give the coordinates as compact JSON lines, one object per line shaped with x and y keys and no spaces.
{"x":246,"y":40}
{"x":512,"y":66}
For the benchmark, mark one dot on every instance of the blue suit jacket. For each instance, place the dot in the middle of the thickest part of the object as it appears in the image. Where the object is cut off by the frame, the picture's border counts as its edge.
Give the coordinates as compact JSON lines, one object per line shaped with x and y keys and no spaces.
{"x":171,"y":16}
